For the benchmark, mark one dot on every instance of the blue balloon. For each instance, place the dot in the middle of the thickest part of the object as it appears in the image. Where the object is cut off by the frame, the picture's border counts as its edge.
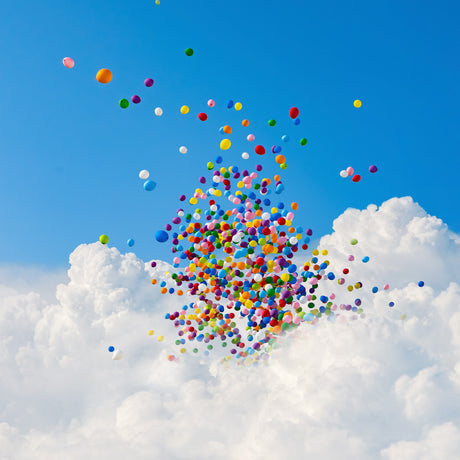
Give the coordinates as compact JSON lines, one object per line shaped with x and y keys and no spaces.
{"x":365,"y":259}
{"x":130,"y":242}
{"x":421,"y":283}
{"x":297,"y":121}
{"x":149,"y":185}
{"x":285,"y":138}
{"x":375,"y":289}
{"x":229,"y":104}
{"x":161,"y":236}
{"x":219,"y":159}
{"x":111,"y":349}
{"x":391,"y":304}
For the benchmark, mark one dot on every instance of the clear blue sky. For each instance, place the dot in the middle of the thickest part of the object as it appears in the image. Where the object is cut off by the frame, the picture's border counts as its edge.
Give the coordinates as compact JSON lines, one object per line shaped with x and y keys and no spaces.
{"x":71,"y":157}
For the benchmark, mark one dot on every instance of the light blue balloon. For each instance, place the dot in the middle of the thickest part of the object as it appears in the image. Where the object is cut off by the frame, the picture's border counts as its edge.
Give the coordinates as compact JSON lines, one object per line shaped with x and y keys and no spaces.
{"x":130,"y":242}
{"x":149,"y":185}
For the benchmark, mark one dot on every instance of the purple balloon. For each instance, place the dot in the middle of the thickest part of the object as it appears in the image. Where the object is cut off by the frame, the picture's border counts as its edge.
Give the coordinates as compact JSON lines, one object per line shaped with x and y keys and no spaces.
{"x":372,"y":169}
{"x":136,"y":99}
{"x":148,"y":82}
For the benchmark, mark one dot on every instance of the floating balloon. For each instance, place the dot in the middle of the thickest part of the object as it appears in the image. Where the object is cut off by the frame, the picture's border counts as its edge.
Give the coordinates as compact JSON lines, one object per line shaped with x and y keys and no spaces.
{"x":148,"y":82}
{"x":373,"y":169}
{"x":297,"y":121}
{"x":356,"y":178}
{"x":211,"y":103}
{"x":104,"y":76}
{"x":245,"y":123}
{"x":184,"y":110}
{"x":227,"y":129}
{"x":259,"y":149}
{"x":357,"y":103}
{"x":161,"y":236}
{"x":271,"y":122}
{"x":225,"y":144}
{"x":238,"y":106}
{"x":149,"y":185}
{"x":117,"y":355}
{"x":124,"y":103}
{"x":144,"y":174}
{"x":158,"y":111}
{"x":104,"y":239}
{"x":189,"y":52}
{"x":343,"y":173}
{"x":350,"y":171}
{"x":353,"y":241}
{"x":421,"y":283}
{"x":135,"y":99}
{"x":285,"y":138}
{"x":303,"y":141}
{"x":130,"y":242}
{"x":111,"y":349}
{"x":68,"y":62}
{"x":294,"y":112}
{"x":183,"y":150}
{"x":229,"y":104}
{"x":245,"y":155}
{"x":250,"y":137}
{"x":202,"y":116}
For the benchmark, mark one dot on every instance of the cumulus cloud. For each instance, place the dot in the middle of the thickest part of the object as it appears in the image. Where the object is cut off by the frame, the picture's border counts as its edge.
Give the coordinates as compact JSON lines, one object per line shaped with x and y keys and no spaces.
{"x":379,"y":387}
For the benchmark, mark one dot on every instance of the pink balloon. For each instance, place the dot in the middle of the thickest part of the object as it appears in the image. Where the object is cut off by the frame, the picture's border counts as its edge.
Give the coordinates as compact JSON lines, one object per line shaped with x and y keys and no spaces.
{"x":211,"y":103}
{"x":251,"y":137}
{"x":350,"y":171}
{"x":68,"y":62}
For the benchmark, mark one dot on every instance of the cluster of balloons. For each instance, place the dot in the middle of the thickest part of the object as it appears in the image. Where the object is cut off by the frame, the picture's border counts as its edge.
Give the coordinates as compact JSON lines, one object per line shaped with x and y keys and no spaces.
{"x":350,"y":172}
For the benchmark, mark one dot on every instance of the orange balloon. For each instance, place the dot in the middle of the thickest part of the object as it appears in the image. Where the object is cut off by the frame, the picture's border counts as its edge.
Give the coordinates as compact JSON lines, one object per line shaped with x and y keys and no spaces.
{"x":227,"y":129}
{"x":294,"y":206}
{"x":104,"y":76}
{"x":245,"y":123}
{"x":280,"y":159}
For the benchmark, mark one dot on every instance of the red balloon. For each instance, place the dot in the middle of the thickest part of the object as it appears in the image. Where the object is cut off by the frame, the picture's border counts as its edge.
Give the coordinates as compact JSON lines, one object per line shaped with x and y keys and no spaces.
{"x":356,"y":178}
{"x":202,"y":116}
{"x":259,"y":149}
{"x":294,"y":112}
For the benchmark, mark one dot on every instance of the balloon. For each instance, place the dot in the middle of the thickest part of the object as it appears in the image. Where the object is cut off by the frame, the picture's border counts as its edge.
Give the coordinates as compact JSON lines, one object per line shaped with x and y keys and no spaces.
{"x":373,"y":169}
{"x":353,"y":241}
{"x":350,"y":171}
{"x":259,"y":149}
{"x":238,"y":106}
{"x":148,"y":82}
{"x":184,"y":110}
{"x":68,"y":62}
{"x":104,"y":239}
{"x":343,"y":173}
{"x":280,"y":159}
{"x":303,"y":141}
{"x":161,"y":236}
{"x":251,"y":137}
{"x":117,"y":355}
{"x":294,"y":112}
{"x":158,"y":111}
{"x":135,"y":99}
{"x":365,"y":259}
{"x":229,"y":104}
{"x":104,"y":76}
{"x":391,"y":304}
{"x":124,"y":103}
{"x":227,"y":129}
{"x":111,"y":349}
{"x":297,"y":121}
{"x":357,"y":103}
{"x":144,"y":174}
{"x":386,"y":287}
{"x":211,"y":103}
{"x":202,"y":116}
{"x":421,"y":283}
{"x":245,"y":123}
{"x":375,"y":289}
{"x":130,"y":242}
{"x":245,"y":155}
{"x":151,"y":332}
{"x":183,"y":150}
{"x":285,"y":138}
{"x":225,"y":144}
{"x":189,"y":52}
{"x":271,"y":122}
{"x":149,"y":185}
{"x":356,"y":178}
{"x":160,"y":338}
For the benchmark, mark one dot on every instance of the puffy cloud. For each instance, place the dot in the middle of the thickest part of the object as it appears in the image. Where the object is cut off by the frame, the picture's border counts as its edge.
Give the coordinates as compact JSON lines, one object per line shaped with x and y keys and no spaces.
{"x":379,"y":387}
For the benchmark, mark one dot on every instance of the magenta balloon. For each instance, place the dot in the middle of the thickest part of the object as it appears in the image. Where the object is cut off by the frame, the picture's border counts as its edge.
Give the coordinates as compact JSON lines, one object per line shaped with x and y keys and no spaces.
{"x":148,"y":82}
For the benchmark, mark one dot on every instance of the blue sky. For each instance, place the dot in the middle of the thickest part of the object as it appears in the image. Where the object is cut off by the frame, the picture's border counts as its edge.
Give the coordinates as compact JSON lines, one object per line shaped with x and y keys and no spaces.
{"x":71,"y":156}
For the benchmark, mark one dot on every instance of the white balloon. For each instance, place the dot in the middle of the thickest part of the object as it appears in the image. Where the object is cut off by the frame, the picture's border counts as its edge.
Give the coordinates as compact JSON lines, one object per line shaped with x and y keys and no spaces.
{"x":117,"y":355}
{"x":144,"y":174}
{"x":343,"y":173}
{"x":158,"y":111}
{"x":183,"y":150}
{"x":260,"y":336}
{"x":245,"y":155}
{"x":293,"y":240}
{"x":257,"y":277}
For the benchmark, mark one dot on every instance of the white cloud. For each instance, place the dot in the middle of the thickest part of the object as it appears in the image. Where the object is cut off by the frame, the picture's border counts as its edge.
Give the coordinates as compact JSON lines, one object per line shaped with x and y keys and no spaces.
{"x":379,"y":387}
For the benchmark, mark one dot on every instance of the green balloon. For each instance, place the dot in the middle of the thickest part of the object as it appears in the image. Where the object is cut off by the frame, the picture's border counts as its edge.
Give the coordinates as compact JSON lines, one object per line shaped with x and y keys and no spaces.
{"x":271,"y":122}
{"x":104,"y":239}
{"x":354,"y":241}
{"x":303,"y":141}
{"x":189,"y":52}
{"x":124,"y":103}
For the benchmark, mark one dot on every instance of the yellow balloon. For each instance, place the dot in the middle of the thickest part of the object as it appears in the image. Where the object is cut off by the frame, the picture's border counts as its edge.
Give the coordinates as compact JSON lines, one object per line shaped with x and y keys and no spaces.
{"x":357,"y":103}
{"x":150,"y":332}
{"x":225,"y":144}
{"x":238,"y":106}
{"x":184,"y":109}
{"x":104,"y":76}
{"x":160,"y":338}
